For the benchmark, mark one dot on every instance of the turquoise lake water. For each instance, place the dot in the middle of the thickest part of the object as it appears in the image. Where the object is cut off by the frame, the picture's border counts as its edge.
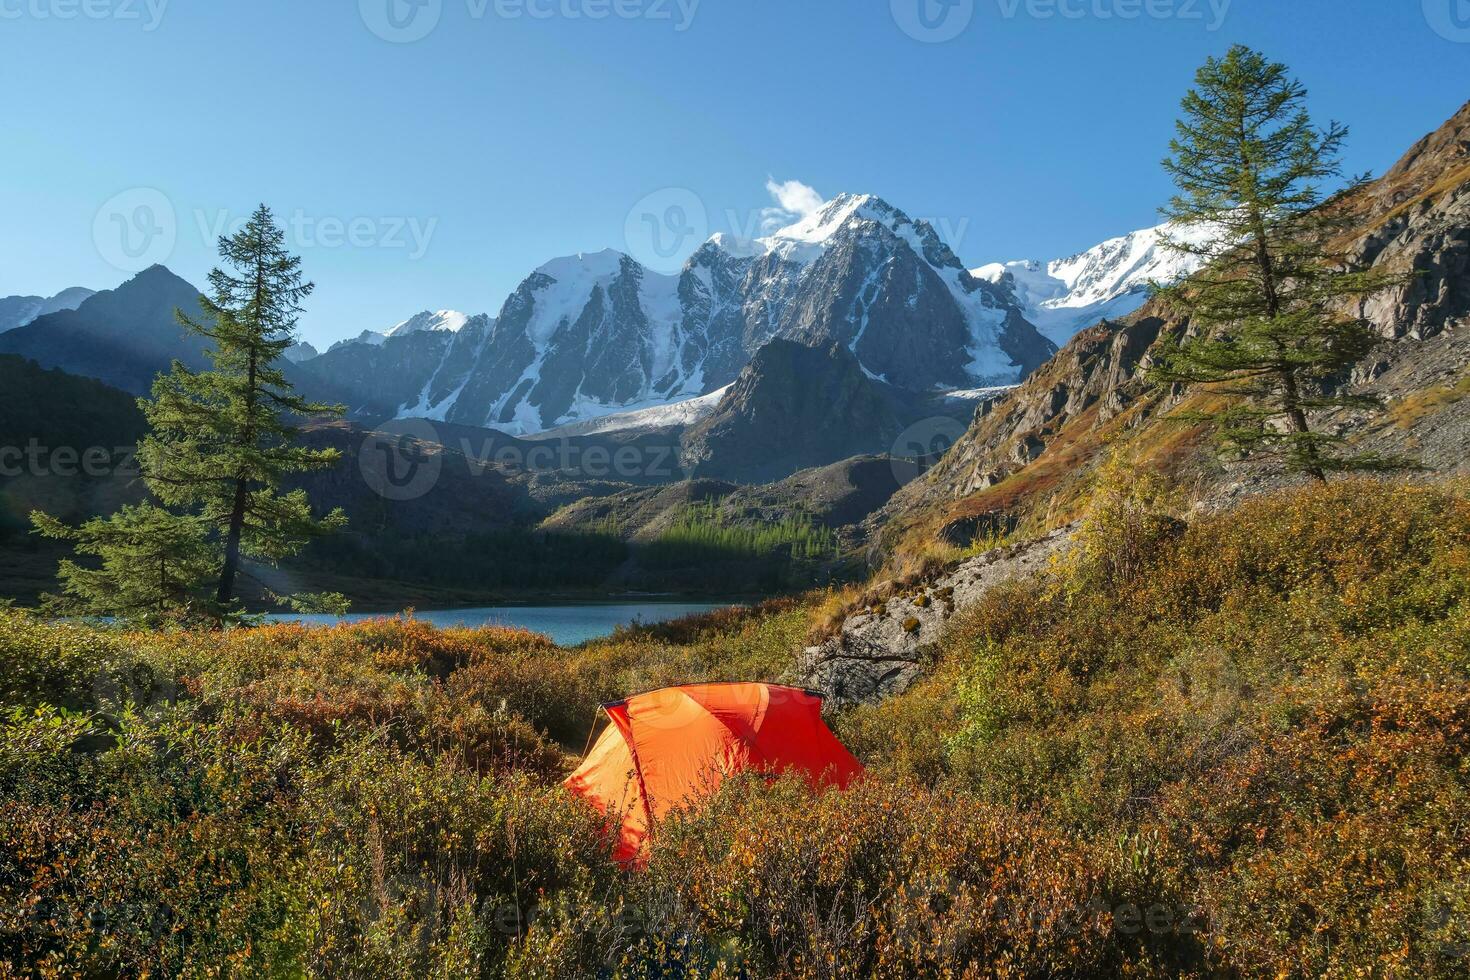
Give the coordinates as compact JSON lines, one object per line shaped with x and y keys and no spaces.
{"x":566,"y":624}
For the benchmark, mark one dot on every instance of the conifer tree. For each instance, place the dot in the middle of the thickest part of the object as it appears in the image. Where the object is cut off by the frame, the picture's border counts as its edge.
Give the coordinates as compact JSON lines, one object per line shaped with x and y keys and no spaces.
{"x":222,"y":441}
{"x":154,"y":566}
{"x":1269,"y":309}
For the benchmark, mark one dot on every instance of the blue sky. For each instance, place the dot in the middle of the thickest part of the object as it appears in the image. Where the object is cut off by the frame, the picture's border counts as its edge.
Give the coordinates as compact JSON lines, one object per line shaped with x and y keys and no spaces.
{"x":436,"y":172}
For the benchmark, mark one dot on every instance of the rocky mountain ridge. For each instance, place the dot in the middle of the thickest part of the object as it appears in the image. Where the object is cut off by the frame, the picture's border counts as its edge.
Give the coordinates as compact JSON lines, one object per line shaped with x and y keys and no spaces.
{"x":594,"y":334}
{"x":17,"y":311}
{"x":1108,"y":281}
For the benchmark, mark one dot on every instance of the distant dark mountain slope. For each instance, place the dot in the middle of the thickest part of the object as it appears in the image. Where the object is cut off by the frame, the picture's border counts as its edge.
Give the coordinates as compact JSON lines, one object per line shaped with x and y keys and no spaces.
{"x":123,"y":336}
{"x":806,"y":519}
{"x":127,"y":336}
{"x":389,"y":376}
{"x":796,"y":407}
{"x":54,"y":408}
{"x":793,"y":407}
{"x":62,"y":441}
{"x":833,"y":496}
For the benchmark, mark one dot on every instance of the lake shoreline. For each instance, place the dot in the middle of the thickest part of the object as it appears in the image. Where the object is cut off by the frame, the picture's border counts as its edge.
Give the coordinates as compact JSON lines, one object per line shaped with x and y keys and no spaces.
{"x":515,"y":600}
{"x":567,"y":624}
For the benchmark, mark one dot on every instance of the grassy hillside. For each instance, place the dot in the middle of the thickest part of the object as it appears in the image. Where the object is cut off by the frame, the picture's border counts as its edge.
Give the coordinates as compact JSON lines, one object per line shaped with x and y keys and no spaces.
{"x":1230,"y":747}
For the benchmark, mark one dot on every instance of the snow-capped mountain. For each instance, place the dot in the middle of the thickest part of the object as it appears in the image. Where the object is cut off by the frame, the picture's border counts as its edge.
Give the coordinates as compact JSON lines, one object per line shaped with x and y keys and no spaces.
{"x":17,"y":311}
{"x":449,"y":321}
{"x":1109,"y":280}
{"x":597,"y":334}
{"x":888,"y":288}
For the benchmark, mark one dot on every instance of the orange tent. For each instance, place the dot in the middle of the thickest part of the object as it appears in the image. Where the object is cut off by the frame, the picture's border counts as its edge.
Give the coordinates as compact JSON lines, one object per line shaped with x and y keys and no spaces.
{"x":667,"y":749}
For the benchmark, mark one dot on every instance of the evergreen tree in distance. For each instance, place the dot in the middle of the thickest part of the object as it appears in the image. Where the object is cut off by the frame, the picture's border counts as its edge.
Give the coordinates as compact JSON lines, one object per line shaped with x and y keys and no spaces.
{"x":153,"y":565}
{"x":221,"y":441}
{"x":1269,"y":307}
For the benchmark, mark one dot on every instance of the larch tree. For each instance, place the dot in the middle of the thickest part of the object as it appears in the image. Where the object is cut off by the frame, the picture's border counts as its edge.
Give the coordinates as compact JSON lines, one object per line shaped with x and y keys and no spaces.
{"x":223,"y":440}
{"x":152,"y":567}
{"x":1270,"y":309}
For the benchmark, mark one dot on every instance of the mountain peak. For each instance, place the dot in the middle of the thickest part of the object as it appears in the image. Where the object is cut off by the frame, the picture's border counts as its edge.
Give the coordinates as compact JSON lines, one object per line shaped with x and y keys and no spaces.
{"x":803,"y":239}
{"x":596,"y":333}
{"x":823,"y":223}
{"x":598,"y":265}
{"x":155,"y":277}
{"x":451,"y":321}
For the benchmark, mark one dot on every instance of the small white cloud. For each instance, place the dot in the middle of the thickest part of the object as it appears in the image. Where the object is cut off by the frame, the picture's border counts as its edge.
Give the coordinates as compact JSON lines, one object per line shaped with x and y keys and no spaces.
{"x":794,"y":201}
{"x":794,"y":197}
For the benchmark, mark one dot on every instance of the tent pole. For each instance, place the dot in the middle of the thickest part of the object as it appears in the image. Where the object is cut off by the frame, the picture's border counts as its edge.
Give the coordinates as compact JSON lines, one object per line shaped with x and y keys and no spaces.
{"x":591,"y":731}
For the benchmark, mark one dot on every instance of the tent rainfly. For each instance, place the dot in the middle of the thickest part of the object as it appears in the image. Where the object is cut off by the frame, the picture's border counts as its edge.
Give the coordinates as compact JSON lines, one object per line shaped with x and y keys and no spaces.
{"x":667,"y":749}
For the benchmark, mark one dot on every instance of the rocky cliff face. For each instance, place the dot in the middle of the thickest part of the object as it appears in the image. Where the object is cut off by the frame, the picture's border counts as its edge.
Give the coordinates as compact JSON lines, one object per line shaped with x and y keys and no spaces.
{"x":1418,"y":220}
{"x":888,"y":289}
{"x":792,"y":408}
{"x":1025,"y":450}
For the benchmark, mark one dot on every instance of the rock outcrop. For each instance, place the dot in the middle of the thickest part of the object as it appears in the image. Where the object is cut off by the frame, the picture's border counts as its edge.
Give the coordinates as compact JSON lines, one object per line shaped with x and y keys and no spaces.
{"x":881,"y":650}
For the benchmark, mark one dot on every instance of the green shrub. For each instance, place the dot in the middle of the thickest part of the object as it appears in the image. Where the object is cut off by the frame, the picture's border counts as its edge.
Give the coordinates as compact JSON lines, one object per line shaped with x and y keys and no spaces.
{"x":1275,"y":696}
{"x":1226,"y":749}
